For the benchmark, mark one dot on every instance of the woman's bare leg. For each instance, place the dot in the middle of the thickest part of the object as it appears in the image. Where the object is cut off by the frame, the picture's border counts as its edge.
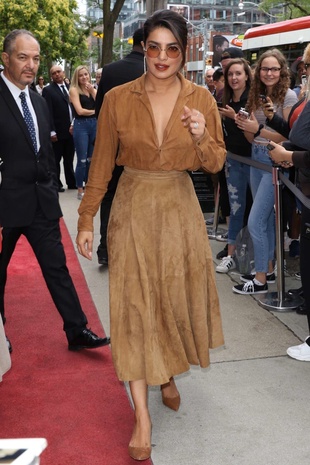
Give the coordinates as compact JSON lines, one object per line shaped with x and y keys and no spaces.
{"x":141,"y":436}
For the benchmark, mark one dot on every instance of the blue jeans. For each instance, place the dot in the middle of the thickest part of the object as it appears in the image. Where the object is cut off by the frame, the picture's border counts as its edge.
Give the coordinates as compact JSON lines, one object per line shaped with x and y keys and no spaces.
{"x":84,"y":134}
{"x":238,"y":180}
{"x":261,"y":221}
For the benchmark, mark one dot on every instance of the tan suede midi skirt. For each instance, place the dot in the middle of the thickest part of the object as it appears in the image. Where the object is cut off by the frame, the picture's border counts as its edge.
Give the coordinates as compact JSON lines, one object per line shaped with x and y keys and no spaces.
{"x":164,"y":306}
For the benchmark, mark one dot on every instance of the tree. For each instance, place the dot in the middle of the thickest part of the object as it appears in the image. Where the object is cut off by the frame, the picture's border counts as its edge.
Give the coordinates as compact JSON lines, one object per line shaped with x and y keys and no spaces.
{"x":291,"y":8}
{"x":55,"y":23}
{"x":108,"y":22}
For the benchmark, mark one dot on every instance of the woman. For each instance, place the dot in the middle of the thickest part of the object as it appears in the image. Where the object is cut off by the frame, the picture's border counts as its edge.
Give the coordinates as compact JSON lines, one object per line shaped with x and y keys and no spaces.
{"x":82,"y":96}
{"x":271,"y":79}
{"x":163,"y":301}
{"x":40,"y":85}
{"x":237,"y":84}
{"x":300,"y":159}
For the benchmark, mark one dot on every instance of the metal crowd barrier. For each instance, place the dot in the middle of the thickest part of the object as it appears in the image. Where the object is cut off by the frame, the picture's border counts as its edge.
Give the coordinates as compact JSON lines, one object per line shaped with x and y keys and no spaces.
{"x":280,"y":300}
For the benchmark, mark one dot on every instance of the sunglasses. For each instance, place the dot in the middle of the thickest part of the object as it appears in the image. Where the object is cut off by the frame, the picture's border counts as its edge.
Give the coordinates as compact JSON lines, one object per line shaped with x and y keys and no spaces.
{"x":153,"y":51}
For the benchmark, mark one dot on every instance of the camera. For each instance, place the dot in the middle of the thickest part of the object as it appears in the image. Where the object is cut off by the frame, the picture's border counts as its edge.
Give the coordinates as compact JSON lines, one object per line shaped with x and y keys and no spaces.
{"x":303,"y":80}
{"x":242,"y":112}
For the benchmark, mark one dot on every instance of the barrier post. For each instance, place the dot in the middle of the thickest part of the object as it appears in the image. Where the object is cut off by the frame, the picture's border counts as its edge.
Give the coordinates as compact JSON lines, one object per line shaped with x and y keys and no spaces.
{"x":279,"y":301}
{"x":214,"y":231}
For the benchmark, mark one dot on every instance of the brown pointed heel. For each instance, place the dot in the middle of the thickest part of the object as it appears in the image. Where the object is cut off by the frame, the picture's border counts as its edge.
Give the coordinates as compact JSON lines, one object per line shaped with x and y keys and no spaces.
{"x":172,"y":402}
{"x":139,"y":453}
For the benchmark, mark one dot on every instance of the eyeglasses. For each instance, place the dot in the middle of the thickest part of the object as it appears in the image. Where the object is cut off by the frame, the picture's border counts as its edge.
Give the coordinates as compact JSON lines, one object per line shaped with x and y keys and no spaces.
{"x":273,"y":70}
{"x":306,"y":65}
{"x":153,"y":51}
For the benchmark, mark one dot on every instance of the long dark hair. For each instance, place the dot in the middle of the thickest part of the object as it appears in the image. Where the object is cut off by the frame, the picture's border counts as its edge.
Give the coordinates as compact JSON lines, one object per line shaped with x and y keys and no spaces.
{"x":228,"y":92}
{"x":172,"y":21}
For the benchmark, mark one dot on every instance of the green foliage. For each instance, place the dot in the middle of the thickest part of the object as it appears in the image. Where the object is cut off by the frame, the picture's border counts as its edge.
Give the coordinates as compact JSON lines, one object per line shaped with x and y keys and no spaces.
{"x":291,"y":8}
{"x":55,"y":23}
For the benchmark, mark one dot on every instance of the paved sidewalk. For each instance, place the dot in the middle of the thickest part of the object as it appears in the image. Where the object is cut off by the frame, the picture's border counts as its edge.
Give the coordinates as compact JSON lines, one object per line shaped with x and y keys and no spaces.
{"x":251,"y":407}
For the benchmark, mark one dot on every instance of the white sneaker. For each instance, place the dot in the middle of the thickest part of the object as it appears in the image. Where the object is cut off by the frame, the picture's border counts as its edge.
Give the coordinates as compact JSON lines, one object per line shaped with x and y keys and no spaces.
{"x":301,"y":352}
{"x":227,"y":264}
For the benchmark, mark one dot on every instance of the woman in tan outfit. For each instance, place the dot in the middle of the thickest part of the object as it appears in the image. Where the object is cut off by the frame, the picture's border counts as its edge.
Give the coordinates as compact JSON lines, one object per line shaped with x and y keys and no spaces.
{"x":163,"y":301}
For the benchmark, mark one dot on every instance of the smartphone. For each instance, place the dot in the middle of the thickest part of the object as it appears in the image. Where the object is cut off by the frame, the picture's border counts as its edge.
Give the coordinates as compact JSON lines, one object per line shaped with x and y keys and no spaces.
{"x":219,"y":104}
{"x":263,"y":98}
{"x":303,"y":80}
{"x":270,"y":147}
{"x":242,"y":112}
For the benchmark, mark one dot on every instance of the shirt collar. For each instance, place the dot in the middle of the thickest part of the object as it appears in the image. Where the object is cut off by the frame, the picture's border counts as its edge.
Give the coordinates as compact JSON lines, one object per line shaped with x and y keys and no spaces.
{"x":15,"y":91}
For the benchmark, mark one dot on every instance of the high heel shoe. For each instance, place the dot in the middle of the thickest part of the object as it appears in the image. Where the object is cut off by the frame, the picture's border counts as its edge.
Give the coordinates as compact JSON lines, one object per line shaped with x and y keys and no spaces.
{"x":171,"y":402}
{"x":139,"y":453}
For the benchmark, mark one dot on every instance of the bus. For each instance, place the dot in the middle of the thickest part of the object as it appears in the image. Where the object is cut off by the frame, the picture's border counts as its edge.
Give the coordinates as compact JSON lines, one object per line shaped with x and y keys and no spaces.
{"x":290,"y":36}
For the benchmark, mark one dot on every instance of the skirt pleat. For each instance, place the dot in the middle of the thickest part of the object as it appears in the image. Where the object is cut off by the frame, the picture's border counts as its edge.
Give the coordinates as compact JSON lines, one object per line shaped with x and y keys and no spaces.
{"x":164,"y":305}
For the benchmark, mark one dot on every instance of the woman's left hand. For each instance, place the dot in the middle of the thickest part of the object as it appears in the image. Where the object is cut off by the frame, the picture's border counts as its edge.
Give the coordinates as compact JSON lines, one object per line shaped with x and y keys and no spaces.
{"x":194,"y":121}
{"x":280,"y":155}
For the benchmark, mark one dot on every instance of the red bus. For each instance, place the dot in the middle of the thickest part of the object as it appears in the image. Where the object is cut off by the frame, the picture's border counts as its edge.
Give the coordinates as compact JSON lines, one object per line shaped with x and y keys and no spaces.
{"x":290,"y":36}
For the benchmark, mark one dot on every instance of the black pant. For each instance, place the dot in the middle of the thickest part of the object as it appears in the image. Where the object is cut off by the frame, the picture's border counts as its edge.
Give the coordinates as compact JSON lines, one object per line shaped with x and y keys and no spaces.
{"x":64,"y":148}
{"x":45,"y":239}
{"x":305,"y":257}
{"x":105,"y":209}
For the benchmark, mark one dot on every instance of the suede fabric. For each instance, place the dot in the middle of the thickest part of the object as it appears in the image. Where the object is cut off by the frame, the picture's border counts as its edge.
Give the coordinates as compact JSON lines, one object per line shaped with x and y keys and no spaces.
{"x":163,"y":299}
{"x":164,"y":306}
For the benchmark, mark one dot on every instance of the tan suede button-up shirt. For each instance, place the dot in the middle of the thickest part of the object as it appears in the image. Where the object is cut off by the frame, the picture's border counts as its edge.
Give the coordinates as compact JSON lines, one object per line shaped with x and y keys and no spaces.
{"x":126,"y":136}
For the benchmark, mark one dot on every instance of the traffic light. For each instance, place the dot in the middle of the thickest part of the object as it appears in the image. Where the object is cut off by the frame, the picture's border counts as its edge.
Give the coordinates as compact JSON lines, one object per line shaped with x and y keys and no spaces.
{"x":208,"y":61}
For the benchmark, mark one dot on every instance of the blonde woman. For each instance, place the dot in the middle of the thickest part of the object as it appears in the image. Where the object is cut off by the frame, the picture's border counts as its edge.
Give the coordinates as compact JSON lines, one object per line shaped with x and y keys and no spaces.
{"x":82,"y":96}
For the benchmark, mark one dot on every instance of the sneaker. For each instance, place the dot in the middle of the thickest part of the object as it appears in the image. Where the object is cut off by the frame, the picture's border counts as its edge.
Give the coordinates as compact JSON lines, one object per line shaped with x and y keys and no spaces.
{"x":223,"y":253}
{"x":249,"y":277}
{"x":210,"y":221}
{"x":251,"y":287}
{"x":297,"y":275}
{"x":300,"y":352}
{"x":294,"y":249}
{"x":226,"y":265}
{"x":222,"y":237}
{"x":80,"y":195}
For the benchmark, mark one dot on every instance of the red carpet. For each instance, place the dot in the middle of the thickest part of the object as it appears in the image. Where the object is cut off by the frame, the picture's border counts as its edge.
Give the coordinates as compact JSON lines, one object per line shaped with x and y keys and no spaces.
{"x":73,"y":399}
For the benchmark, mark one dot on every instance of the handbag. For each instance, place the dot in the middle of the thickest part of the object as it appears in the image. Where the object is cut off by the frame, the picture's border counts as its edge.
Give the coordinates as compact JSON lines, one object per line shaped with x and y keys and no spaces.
{"x":299,"y":134}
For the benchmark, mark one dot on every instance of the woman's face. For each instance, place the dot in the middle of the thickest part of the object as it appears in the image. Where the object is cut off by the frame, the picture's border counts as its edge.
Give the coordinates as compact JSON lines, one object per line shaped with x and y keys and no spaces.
{"x":237,"y":77}
{"x":269,"y":72}
{"x":83,"y":76}
{"x":160,"y":42}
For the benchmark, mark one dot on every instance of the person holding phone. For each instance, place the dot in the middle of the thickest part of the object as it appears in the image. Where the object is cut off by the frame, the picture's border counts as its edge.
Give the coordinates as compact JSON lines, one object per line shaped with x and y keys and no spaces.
{"x":238,"y":79}
{"x":271,"y":79}
{"x":299,"y":159}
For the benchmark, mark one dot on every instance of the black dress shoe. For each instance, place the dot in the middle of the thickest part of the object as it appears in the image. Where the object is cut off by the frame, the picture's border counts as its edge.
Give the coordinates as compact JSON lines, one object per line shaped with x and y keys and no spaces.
{"x":9,"y":345}
{"x":298,"y":291}
{"x":302,"y":309}
{"x":87,"y":340}
{"x":103,"y":260}
{"x":61,"y":189}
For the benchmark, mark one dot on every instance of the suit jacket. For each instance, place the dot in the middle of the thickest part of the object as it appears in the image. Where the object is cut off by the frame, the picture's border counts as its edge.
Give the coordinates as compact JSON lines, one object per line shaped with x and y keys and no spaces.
{"x":59,"y":110}
{"x":28,"y":181}
{"x":114,"y":74}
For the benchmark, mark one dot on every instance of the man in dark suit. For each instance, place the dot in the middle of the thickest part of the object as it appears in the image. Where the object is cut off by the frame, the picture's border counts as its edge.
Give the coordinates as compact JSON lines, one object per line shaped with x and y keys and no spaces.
{"x":61,"y":111}
{"x":29,"y":202}
{"x":114,"y":74}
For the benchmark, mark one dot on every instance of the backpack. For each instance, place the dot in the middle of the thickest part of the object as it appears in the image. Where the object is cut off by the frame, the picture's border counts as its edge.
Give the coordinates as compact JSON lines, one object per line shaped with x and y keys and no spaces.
{"x":244,"y":254}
